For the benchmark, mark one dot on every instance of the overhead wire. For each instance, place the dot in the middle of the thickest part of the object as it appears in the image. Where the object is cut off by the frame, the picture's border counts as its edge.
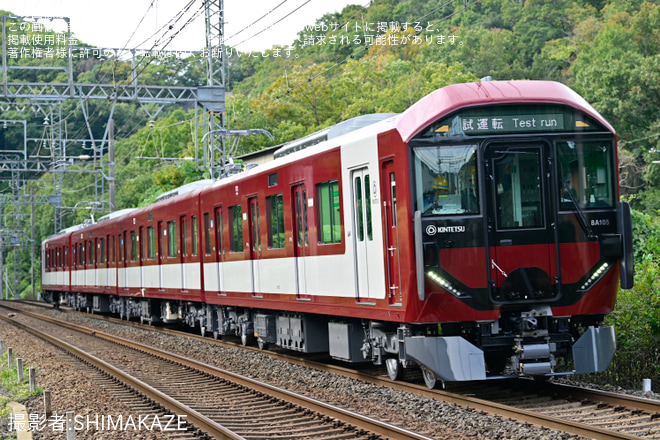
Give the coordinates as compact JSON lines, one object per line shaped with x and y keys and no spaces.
{"x":257,"y":20}
{"x":277,"y":22}
{"x":342,"y":62}
{"x":335,"y":29}
{"x":168,"y":26}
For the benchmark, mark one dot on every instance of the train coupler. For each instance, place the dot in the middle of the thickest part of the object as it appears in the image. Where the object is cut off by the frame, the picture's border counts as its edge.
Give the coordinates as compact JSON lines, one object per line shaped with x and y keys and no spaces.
{"x":534,"y":359}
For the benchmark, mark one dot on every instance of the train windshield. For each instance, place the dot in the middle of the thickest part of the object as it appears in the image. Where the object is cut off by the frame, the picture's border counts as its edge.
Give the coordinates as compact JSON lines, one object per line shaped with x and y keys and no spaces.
{"x":446,"y":180}
{"x":587,"y":174}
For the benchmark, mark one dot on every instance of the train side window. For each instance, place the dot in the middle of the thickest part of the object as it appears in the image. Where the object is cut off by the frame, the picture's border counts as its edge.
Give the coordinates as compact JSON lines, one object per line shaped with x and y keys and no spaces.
{"x":114,"y":244}
{"x":329,"y":215}
{"x":367,"y":206}
{"x":151,"y":243}
{"x":236,"y":228}
{"x":81,"y":256}
{"x":90,"y":252}
{"x":102,"y":251}
{"x":256,"y":228}
{"x":171,"y":231}
{"x":133,"y":246}
{"x":207,"y":234}
{"x":275,"y":222}
{"x":359,"y":208}
{"x":195,"y":235}
{"x":220,"y":230}
{"x":140,"y":240}
{"x":184,"y":236}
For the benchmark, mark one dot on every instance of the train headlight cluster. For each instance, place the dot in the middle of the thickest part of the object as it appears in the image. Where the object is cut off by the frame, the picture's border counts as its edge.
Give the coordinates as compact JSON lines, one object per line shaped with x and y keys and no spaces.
{"x":444,"y":284}
{"x":595,"y":276}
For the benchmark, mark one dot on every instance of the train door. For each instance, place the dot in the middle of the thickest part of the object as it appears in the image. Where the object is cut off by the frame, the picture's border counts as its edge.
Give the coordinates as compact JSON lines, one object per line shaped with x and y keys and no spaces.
{"x":300,"y":238}
{"x":363,"y":239}
{"x":523,"y":252}
{"x":388,"y":188}
{"x":160,"y":250}
{"x":255,"y":244}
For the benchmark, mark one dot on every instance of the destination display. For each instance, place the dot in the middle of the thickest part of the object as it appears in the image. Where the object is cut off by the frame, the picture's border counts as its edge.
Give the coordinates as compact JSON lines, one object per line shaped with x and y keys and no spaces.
{"x":511,"y":124}
{"x":507,"y":119}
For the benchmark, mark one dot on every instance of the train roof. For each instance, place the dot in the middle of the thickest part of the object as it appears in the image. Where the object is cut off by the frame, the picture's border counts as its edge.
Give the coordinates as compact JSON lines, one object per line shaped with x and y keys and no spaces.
{"x":116,"y":214}
{"x":331,"y":132}
{"x":188,"y":187}
{"x":453,"y":97}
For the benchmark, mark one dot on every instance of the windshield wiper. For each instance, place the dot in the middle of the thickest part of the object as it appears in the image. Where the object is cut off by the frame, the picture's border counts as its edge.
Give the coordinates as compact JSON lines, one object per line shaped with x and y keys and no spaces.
{"x":582,"y":219}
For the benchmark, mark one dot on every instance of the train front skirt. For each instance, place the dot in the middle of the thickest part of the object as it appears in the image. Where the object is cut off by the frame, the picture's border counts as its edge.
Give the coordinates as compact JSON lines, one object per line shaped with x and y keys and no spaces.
{"x":452,"y":358}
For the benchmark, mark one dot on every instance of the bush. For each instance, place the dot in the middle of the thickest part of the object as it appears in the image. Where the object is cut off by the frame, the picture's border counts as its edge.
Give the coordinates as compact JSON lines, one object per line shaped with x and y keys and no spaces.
{"x":637,"y":314}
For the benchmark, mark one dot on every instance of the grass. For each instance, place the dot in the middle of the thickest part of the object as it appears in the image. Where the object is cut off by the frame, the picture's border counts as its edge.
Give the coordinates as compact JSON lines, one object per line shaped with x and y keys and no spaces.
{"x":10,"y":388}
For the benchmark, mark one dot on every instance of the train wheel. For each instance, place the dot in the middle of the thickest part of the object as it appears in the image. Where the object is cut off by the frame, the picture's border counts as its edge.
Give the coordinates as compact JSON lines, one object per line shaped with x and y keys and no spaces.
{"x":430,"y":379}
{"x":394,"y":368}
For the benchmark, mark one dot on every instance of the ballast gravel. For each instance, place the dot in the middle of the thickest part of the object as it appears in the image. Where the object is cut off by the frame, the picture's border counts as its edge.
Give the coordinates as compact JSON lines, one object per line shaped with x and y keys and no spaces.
{"x":72,"y":391}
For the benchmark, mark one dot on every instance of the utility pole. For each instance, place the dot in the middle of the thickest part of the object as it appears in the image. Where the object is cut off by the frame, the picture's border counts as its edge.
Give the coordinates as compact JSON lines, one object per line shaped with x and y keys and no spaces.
{"x":111,"y":165}
{"x":212,"y":97}
{"x":32,"y":257}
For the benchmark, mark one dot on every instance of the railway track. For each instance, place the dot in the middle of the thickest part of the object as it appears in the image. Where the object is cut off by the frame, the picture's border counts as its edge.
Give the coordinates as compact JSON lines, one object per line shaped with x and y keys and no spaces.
{"x":588,"y":413}
{"x":225,"y":405}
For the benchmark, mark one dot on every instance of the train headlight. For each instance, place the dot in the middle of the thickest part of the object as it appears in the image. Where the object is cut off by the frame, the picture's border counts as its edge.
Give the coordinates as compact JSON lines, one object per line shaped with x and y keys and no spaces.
{"x":595,"y":276}
{"x":444,"y":284}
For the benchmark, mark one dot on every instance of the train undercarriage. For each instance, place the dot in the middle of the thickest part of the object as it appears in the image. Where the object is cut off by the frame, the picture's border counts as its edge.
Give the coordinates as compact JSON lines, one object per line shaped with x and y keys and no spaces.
{"x":521,"y":343}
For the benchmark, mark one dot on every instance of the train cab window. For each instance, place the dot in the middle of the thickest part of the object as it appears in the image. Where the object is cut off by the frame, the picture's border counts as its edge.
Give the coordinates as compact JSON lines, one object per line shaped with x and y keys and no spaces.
{"x":329,"y":215}
{"x":236,"y":228}
{"x":151,"y":243}
{"x":446,"y":180}
{"x":207,"y":233}
{"x":171,"y":232}
{"x":134,"y":252}
{"x":586,"y":174}
{"x":519,"y":198}
{"x":194,"y":233}
{"x":275,"y":222}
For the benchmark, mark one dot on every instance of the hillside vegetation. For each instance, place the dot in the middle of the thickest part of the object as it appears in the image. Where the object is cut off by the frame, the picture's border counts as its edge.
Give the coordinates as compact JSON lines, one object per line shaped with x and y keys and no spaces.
{"x":383,"y":58}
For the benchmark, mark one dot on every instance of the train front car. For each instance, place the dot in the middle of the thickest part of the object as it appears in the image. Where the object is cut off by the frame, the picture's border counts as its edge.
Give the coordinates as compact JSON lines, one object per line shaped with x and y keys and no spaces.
{"x":518,"y":225}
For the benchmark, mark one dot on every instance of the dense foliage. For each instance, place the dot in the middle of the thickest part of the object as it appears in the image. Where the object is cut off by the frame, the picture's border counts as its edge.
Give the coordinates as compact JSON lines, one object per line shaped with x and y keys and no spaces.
{"x":383,"y":58}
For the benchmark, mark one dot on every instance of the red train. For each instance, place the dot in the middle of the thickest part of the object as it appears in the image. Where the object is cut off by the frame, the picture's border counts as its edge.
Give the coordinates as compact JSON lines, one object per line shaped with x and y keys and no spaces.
{"x":477,"y":235}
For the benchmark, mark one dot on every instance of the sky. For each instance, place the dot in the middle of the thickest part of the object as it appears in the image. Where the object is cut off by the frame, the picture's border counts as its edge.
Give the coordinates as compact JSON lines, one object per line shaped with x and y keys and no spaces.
{"x":250,"y":25}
